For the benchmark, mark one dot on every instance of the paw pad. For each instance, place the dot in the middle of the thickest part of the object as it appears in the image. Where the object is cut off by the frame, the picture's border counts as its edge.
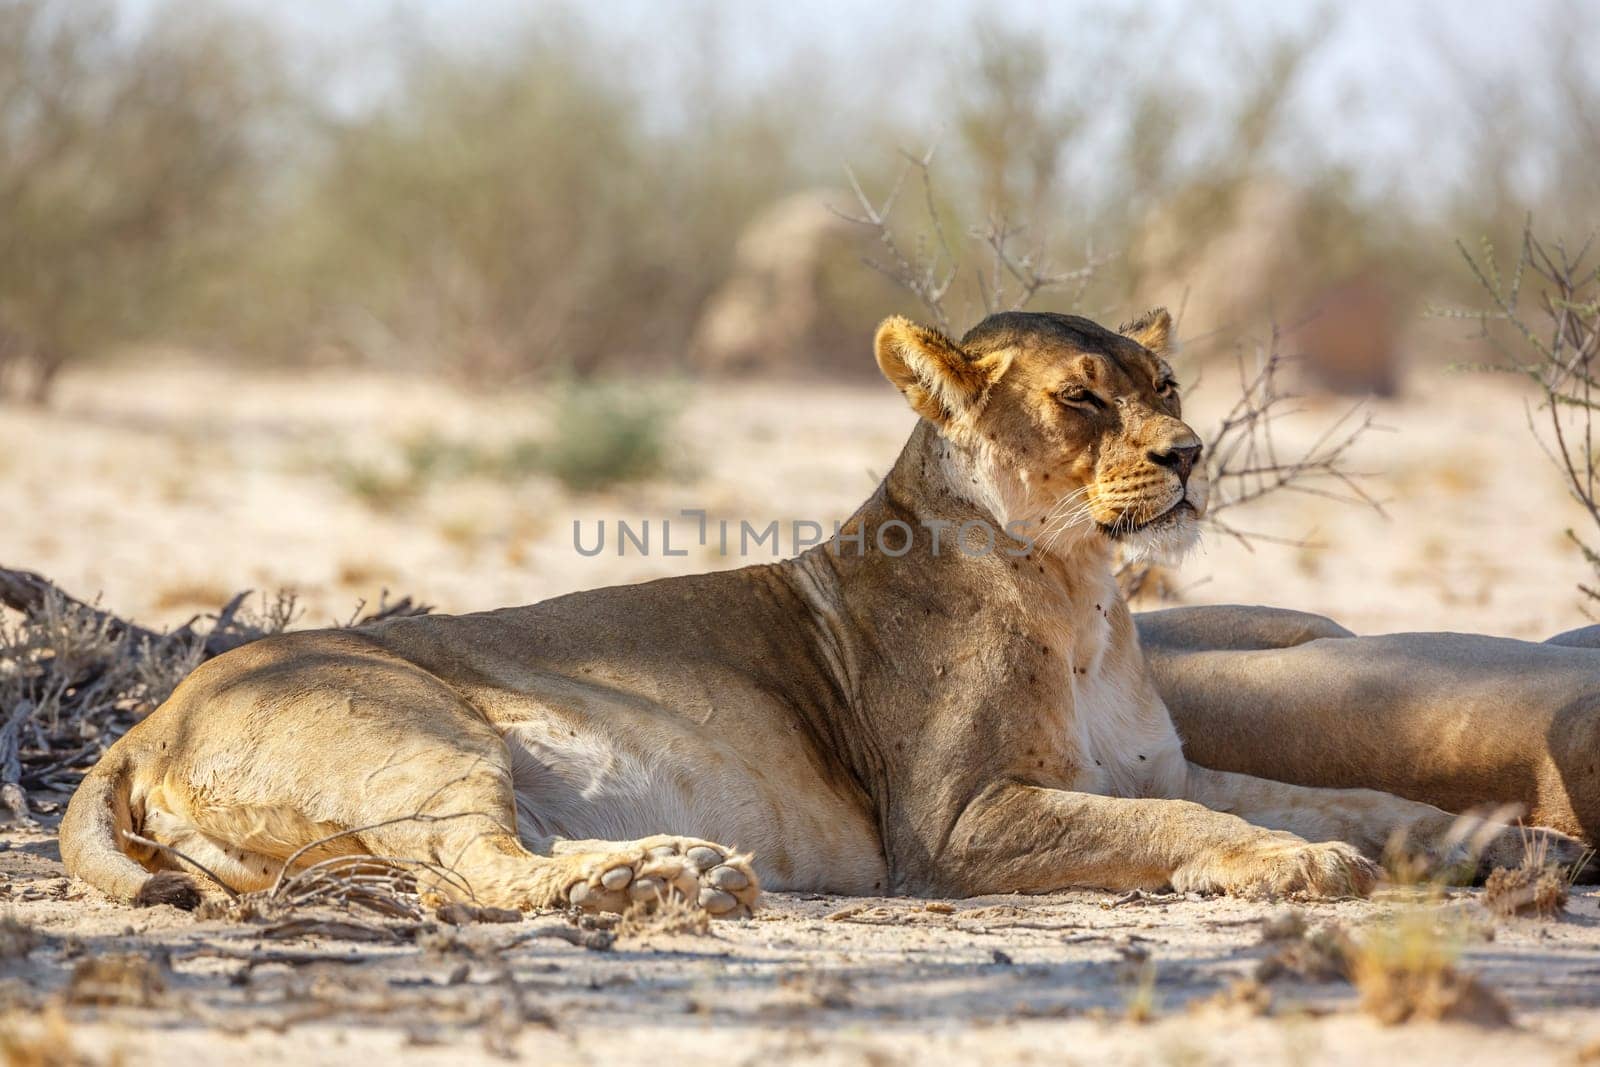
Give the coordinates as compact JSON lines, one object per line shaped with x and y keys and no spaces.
{"x":708,"y":875}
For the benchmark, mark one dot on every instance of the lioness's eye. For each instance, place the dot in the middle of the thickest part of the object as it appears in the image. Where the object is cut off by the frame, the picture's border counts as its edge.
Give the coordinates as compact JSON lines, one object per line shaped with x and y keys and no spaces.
{"x":1167,"y":388}
{"x":1077,"y":394}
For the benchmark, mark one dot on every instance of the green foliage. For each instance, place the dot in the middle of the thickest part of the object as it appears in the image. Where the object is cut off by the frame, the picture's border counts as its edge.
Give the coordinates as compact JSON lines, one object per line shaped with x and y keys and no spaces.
{"x":537,"y":203}
{"x":514,"y":212}
{"x":600,"y":434}
{"x":124,"y":168}
{"x":603,"y":435}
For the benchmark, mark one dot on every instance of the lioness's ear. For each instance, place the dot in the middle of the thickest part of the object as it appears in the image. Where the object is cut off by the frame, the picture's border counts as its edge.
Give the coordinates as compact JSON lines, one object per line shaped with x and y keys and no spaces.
{"x":939,"y":380}
{"x":1153,"y":329}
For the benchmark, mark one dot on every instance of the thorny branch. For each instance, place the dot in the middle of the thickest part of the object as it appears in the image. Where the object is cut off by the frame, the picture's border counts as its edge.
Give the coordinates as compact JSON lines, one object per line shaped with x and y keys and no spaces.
{"x":1554,"y":345}
{"x":1245,"y":461}
{"x":929,"y":271}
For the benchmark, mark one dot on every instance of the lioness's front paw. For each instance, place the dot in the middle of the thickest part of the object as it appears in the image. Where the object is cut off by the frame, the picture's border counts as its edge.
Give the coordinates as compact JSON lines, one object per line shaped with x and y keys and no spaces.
{"x":1280,"y":865}
{"x":658,"y":869}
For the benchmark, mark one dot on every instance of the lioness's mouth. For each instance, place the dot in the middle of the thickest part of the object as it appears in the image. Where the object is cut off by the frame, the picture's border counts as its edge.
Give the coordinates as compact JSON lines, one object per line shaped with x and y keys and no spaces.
{"x":1119,"y":529}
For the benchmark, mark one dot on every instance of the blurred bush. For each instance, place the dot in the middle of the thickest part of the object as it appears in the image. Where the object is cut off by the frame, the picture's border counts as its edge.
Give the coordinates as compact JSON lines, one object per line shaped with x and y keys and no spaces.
{"x":517,"y":212}
{"x":130,"y":168}
{"x":538,"y":206}
{"x":598,"y":434}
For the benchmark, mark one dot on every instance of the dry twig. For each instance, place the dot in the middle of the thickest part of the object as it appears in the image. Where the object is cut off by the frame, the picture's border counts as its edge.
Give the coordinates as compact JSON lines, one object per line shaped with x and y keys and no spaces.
{"x":1554,"y":344}
{"x":1245,"y":461}
{"x":929,"y":271}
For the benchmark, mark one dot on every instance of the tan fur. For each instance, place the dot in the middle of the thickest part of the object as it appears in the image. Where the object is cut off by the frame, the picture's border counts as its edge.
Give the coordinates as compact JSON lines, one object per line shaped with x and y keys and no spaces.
{"x":920,"y":721}
{"x":1457,"y":720}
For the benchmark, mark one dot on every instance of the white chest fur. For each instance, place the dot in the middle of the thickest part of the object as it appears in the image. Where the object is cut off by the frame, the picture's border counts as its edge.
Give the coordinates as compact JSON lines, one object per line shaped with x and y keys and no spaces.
{"x":1120,"y":736}
{"x":1129,"y":744}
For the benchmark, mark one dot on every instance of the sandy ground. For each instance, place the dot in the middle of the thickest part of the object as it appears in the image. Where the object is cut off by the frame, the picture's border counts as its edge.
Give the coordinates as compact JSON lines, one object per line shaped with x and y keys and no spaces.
{"x":1068,"y":978}
{"x":164,"y":488}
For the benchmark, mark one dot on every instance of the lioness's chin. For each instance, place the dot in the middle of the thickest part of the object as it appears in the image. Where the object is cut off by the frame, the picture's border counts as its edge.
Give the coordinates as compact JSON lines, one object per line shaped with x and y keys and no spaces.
{"x":1166,"y":538}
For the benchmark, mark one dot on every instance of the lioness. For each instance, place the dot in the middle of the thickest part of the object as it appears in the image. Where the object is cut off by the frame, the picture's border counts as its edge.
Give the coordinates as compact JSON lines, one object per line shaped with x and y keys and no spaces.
{"x":947,"y":700}
{"x":1457,"y":720}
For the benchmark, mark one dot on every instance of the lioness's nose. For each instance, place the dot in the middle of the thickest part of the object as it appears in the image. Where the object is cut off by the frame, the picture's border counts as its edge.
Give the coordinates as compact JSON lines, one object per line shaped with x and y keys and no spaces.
{"x":1180,"y":458}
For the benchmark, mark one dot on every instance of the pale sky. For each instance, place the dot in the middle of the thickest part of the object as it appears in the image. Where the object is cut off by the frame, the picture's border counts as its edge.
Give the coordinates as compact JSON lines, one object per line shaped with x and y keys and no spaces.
{"x":1380,"y":44}
{"x":1380,"y":87}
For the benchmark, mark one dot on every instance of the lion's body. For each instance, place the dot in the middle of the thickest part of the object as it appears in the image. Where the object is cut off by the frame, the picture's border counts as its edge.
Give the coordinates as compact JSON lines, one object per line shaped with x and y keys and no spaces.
{"x":900,"y":720}
{"x":1455,"y":720}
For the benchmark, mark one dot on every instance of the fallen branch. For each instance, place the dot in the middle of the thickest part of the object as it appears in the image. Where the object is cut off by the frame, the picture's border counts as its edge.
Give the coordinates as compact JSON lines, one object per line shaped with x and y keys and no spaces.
{"x":28,"y":593}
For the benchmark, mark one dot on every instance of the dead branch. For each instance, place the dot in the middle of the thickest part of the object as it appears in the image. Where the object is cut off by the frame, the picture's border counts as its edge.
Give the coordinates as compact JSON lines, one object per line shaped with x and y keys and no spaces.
{"x":1243,"y":457}
{"x":1026,"y":272}
{"x":1245,"y":461}
{"x":387,"y":886}
{"x":1554,"y":344}
{"x":27,"y":592}
{"x":928,"y":273}
{"x":928,"y":276}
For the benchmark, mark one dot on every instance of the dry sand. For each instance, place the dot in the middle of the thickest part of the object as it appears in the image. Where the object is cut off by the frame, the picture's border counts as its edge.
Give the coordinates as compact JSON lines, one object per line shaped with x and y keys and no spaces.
{"x":167,"y":487}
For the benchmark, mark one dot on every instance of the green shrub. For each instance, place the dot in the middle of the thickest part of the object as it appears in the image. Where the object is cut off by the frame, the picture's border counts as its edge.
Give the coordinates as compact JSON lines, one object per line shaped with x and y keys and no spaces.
{"x":130,"y":164}
{"x":602,"y":435}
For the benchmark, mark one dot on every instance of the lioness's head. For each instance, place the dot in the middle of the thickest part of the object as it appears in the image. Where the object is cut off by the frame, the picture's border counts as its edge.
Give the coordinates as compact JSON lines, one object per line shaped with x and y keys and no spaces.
{"x":1075,"y":428}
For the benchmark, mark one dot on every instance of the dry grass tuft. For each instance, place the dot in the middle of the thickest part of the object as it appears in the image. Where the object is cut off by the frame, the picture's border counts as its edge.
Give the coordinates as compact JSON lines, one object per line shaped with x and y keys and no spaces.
{"x":663,"y":918}
{"x":1287,"y":924}
{"x":47,"y":1044}
{"x":128,"y":980}
{"x":1537,"y":891}
{"x":1247,"y":994}
{"x":1142,"y":1004}
{"x":1315,"y":955}
{"x":1535,"y":887}
{"x":1405,"y":971}
{"x":17,"y":938}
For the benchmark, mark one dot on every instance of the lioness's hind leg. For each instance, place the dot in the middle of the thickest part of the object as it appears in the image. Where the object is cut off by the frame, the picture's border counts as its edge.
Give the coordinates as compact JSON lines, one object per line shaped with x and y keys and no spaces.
{"x":713,"y":876}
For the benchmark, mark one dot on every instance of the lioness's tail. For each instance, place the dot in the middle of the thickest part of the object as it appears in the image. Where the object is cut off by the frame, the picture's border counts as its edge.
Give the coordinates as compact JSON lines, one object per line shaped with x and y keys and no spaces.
{"x":91,"y":843}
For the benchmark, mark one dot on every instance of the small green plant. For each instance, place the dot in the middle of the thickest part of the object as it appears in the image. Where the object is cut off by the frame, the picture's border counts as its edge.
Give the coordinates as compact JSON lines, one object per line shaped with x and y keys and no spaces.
{"x":376,"y":487}
{"x":601,"y":435}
